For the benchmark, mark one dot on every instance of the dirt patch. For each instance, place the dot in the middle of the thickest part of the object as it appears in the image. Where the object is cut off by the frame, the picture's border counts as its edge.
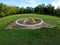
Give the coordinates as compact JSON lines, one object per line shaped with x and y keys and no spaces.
{"x":14,"y":25}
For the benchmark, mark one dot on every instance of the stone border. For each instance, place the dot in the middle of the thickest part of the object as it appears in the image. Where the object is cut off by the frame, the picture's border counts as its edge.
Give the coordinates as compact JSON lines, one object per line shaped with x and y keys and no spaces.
{"x":29,"y":25}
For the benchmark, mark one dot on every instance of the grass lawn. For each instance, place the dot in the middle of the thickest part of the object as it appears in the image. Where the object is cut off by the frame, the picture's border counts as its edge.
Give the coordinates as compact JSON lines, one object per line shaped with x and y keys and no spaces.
{"x":47,"y":36}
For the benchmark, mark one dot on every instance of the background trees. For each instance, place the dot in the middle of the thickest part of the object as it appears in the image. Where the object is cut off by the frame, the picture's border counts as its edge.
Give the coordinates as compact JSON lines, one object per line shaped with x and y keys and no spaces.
{"x":50,"y":9}
{"x":57,"y":11}
{"x":8,"y":10}
{"x":41,"y":9}
{"x":29,"y":10}
{"x":2,"y":10}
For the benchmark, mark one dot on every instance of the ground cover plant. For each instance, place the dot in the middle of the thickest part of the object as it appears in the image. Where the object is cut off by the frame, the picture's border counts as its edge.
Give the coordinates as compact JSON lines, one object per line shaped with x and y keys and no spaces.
{"x":46,"y":36}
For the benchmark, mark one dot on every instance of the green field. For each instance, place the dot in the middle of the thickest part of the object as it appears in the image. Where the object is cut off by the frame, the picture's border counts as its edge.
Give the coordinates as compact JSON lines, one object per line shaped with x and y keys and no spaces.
{"x":46,"y":36}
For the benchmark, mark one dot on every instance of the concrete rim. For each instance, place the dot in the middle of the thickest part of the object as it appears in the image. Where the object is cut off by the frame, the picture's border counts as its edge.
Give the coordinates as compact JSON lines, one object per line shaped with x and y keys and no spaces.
{"x":29,"y":25}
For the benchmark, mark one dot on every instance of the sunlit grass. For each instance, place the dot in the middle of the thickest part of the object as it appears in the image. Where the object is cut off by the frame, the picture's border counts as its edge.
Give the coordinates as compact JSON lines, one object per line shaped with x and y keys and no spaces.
{"x":49,"y":36}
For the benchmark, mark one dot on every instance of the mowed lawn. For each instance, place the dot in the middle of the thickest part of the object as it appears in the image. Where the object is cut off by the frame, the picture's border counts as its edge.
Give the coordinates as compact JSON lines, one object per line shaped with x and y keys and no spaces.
{"x":45,"y":36}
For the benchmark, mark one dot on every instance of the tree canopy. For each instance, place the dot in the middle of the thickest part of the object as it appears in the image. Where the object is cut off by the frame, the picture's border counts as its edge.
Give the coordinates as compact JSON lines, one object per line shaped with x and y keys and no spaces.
{"x":6,"y":10}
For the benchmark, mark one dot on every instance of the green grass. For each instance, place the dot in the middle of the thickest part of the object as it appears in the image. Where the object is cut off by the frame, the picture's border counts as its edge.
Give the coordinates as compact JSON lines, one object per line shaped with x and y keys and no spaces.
{"x":49,"y":36}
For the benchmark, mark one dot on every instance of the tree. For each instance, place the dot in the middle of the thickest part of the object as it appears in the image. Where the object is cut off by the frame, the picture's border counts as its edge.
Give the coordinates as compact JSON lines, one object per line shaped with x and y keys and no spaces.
{"x":57,"y":11}
{"x":49,"y":9}
{"x":21,"y":10}
{"x":6,"y":10}
{"x":40,"y":9}
{"x":2,"y":10}
{"x":29,"y":10}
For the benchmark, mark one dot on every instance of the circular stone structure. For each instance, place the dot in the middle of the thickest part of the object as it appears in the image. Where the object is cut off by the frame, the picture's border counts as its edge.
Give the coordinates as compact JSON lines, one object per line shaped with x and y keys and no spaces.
{"x":29,"y":23}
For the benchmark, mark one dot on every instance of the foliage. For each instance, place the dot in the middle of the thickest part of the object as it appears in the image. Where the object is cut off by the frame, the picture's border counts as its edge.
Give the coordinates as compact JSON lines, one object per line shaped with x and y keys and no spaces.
{"x":40,"y":9}
{"x":57,"y":11}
